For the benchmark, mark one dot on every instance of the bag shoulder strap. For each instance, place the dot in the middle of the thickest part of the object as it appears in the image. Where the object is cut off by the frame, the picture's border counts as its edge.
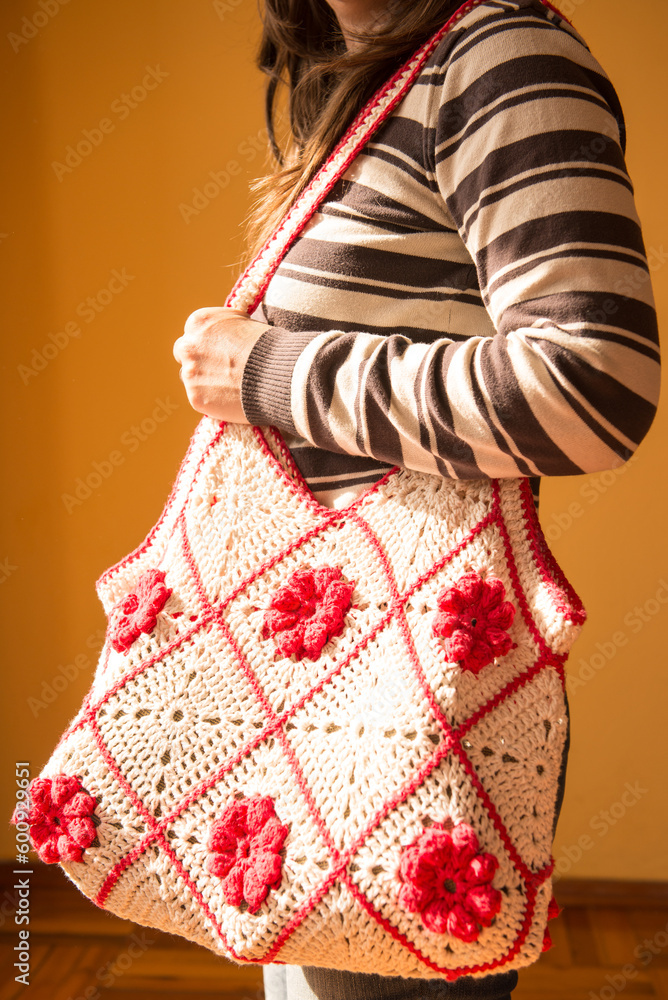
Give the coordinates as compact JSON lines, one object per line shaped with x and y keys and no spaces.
{"x":249,"y":289}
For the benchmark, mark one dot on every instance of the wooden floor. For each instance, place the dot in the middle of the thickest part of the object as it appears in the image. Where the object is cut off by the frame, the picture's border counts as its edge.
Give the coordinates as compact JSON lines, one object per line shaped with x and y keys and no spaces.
{"x":611,"y":939}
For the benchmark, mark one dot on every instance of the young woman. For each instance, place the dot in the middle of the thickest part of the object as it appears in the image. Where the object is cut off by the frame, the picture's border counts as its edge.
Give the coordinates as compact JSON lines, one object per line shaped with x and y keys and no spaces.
{"x":471,"y":300}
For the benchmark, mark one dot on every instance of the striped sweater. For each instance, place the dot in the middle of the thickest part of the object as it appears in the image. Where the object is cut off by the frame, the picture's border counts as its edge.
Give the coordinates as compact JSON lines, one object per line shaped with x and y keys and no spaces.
{"x":473,"y":298}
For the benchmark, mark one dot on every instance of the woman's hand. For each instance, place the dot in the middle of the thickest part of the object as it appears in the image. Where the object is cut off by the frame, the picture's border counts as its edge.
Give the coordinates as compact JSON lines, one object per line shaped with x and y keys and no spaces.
{"x":212,"y":353}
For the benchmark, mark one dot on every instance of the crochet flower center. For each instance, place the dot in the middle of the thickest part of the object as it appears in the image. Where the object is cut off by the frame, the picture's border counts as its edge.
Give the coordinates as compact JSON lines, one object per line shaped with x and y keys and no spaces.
{"x":244,"y":851}
{"x":447,"y":880}
{"x":130,"y":604}
{"x":308,"y":611}
{"x":473,"y":619}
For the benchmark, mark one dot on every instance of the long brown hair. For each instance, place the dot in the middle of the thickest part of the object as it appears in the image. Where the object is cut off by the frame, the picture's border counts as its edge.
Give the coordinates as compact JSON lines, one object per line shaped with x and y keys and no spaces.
{"x":303,"y":51}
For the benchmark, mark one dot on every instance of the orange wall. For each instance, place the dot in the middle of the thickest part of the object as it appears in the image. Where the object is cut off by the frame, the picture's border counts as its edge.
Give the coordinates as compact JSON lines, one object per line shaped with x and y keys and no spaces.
{"x":94,"y":404}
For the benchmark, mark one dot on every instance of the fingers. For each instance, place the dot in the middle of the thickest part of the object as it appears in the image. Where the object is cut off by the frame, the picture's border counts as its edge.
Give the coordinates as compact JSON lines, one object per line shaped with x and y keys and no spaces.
{"x":189,"y":343}
{"x":204,"y":324}
{"x":194,"y":327}
{"x":211,"y":314}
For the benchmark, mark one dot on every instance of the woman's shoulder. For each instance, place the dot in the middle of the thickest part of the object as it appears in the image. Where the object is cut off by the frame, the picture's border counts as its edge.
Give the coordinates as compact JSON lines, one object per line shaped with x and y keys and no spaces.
{"x":501,"y":29}
{"x":497,"y":51}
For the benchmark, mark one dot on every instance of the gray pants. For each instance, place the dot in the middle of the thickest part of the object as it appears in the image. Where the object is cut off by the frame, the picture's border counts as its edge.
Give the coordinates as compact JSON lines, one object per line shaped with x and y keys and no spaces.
{"x":290,"y":982}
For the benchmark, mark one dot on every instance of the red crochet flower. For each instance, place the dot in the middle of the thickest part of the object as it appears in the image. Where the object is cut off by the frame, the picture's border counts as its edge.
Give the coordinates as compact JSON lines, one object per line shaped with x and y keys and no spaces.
{"x":308,"y":611}
{"x":60,"y":818}
{"x":473,"y":619}
{"x":138,"y":612}
{"x":448,"y":882}
{"x":244,"y":844}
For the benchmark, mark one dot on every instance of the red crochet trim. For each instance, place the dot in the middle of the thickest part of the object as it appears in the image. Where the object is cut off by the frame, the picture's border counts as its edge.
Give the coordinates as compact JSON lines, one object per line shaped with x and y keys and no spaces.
{"x":61,"y":827}
{"x":473,"y":618}
{"x":549,"y":568}
{"x":153,"y":533}
{"x":290,"y":466}
{"x":308,"y":611}
{"x":244,"y":845}
{"x":299,"y":487}
{"x":553,"y":910}
{"x":556,"y":11}
{"x":447,"y":880}
{"x":138,"y":612}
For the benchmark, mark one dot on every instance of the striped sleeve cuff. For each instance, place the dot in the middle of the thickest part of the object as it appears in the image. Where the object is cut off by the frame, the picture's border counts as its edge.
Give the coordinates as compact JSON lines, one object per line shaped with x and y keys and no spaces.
{"x":266,"y":383}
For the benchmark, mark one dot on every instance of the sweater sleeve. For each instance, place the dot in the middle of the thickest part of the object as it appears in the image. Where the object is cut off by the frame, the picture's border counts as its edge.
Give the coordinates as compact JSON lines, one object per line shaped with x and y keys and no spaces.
{"x":528,"y":157}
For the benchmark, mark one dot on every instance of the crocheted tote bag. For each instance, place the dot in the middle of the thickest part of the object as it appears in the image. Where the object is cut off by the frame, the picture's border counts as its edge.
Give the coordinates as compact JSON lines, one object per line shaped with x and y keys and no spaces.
{"x":316,"y":736}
